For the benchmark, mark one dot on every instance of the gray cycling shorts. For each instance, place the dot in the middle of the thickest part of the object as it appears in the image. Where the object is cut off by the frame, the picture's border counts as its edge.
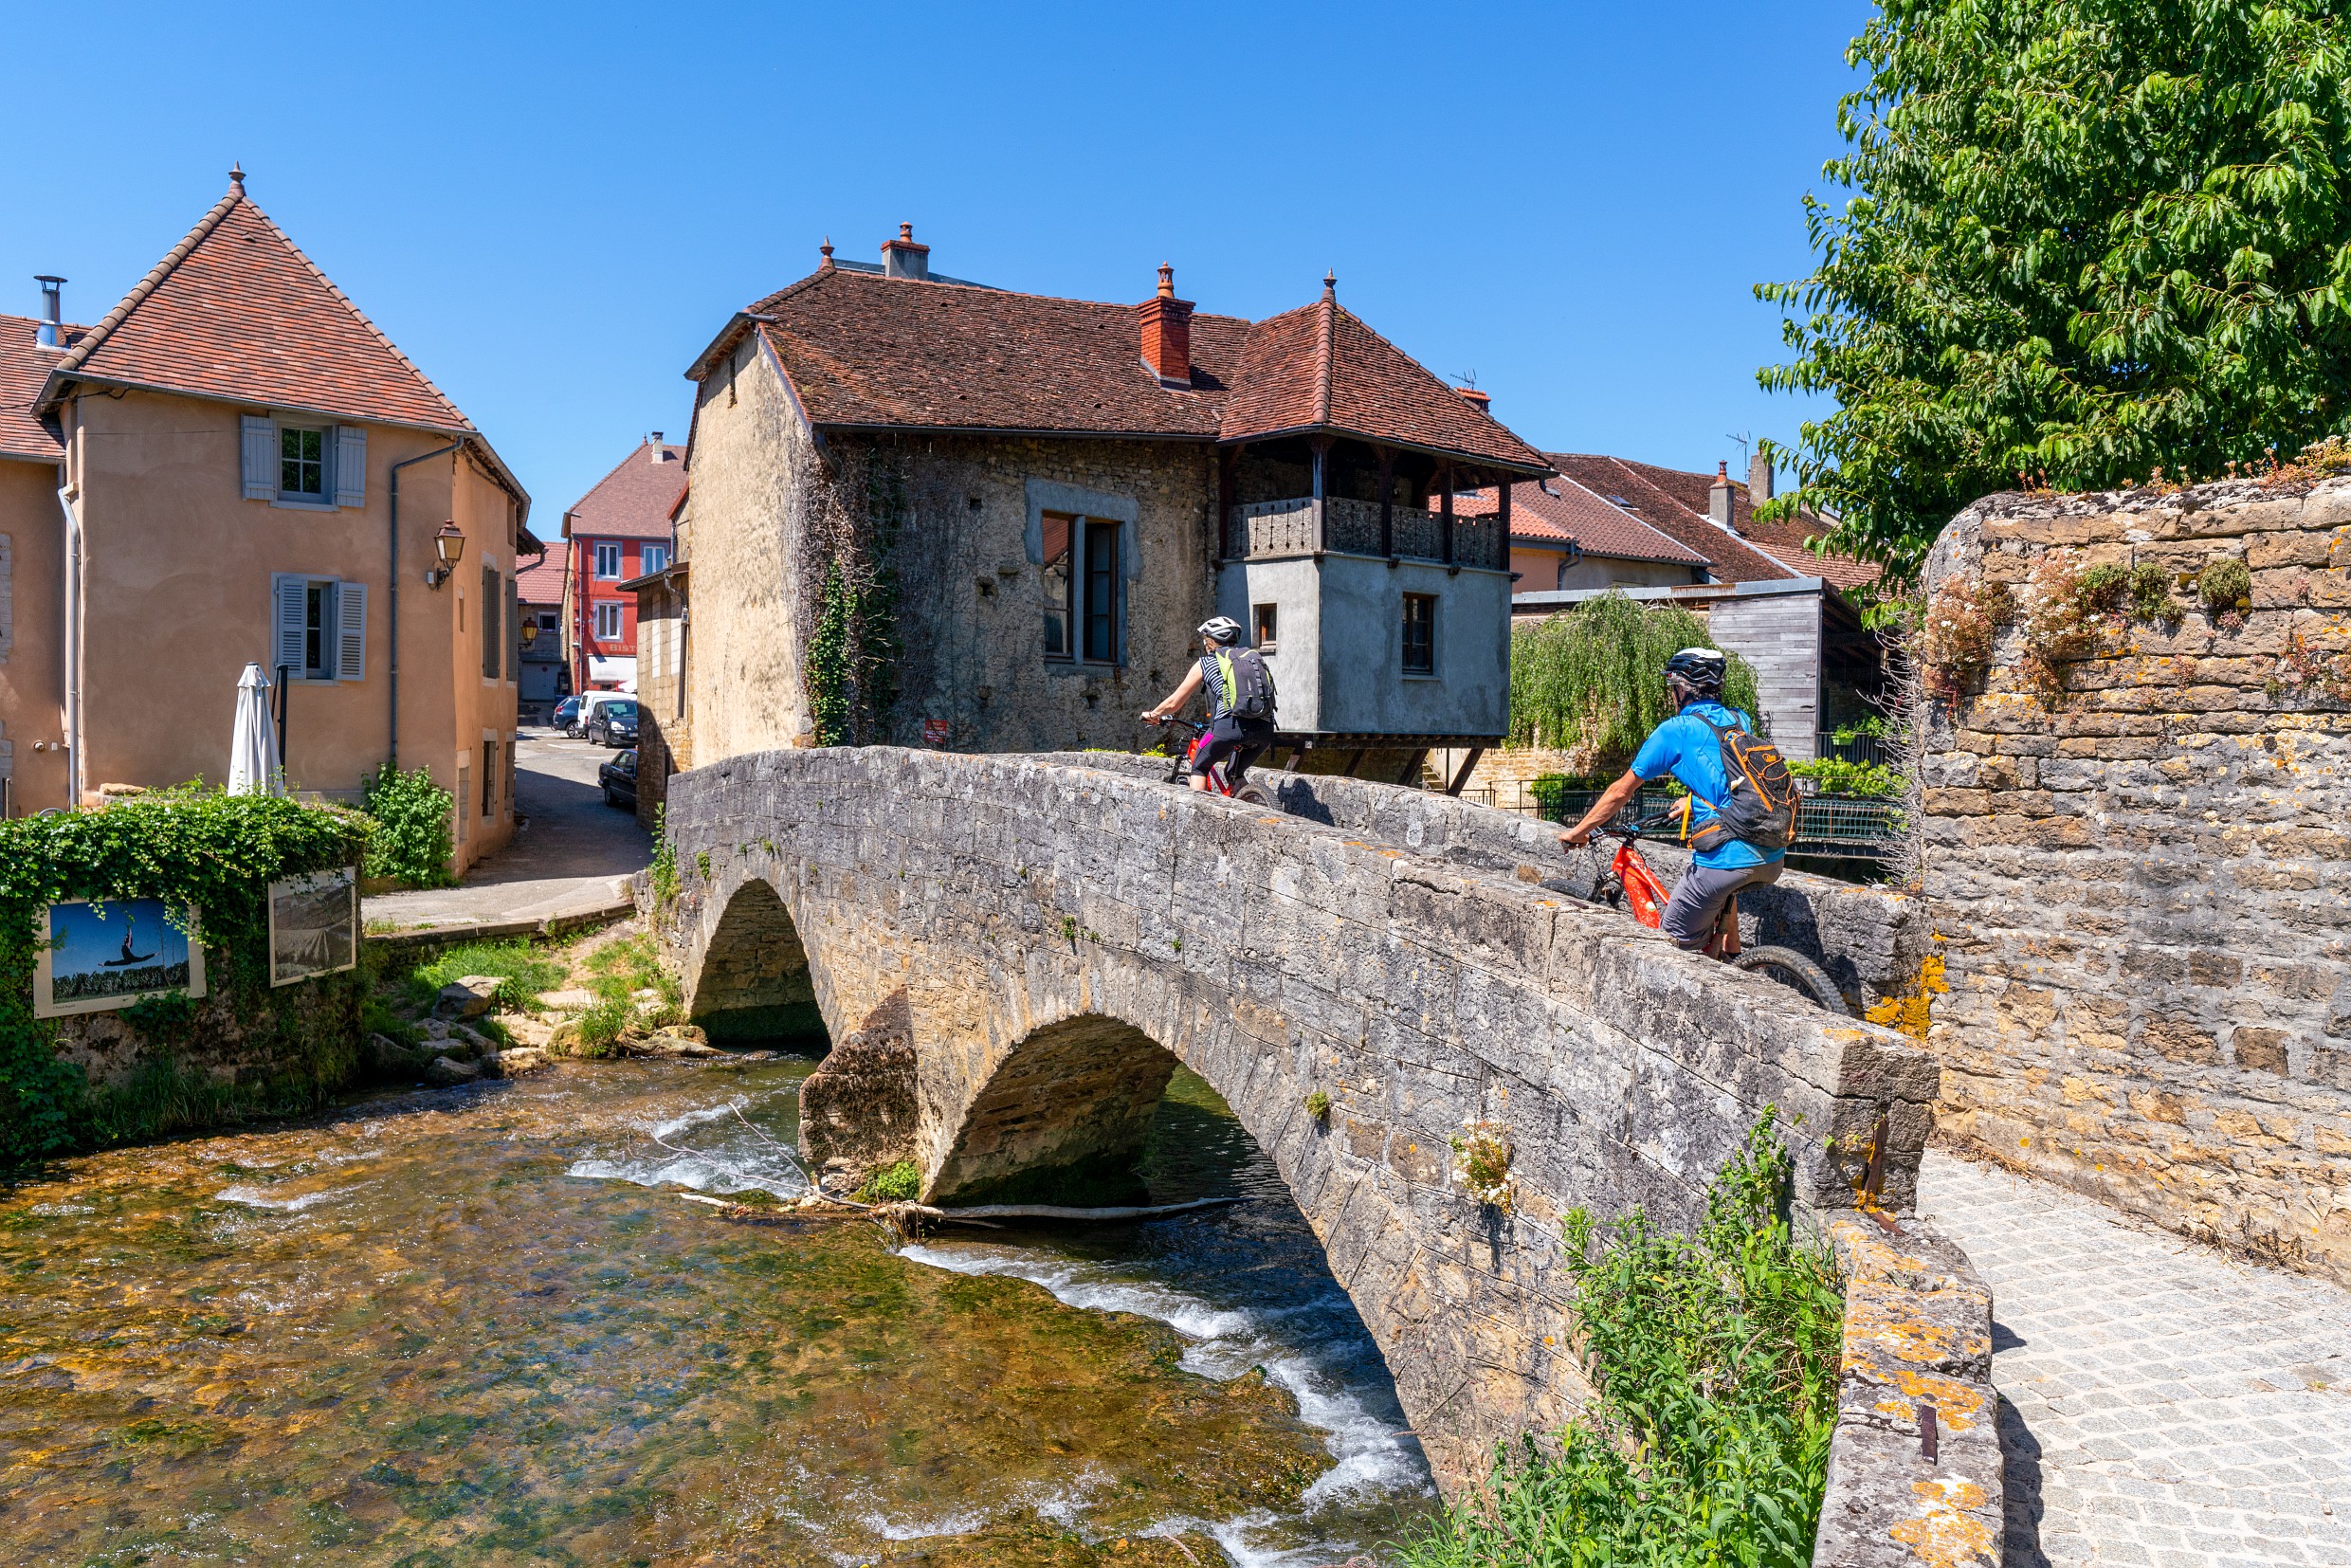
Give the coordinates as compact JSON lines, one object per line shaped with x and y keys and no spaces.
{"x":1698,"y":901}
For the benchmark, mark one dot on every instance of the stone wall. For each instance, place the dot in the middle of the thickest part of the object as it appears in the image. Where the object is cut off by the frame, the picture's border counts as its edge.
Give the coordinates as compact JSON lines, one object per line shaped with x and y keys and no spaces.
{"x":2141,"y":882}
{"x":1045,"y":938}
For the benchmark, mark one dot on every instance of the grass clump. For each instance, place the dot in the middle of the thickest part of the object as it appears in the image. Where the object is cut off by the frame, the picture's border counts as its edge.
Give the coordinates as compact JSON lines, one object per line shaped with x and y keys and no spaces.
{"x":527,"y":969}
{"x":2151,"y":594}
{"x":898,"y":1183}
{"x":2226,"y":585}
{"x":1716,"y":1357}
{"x":1319,"y":1106}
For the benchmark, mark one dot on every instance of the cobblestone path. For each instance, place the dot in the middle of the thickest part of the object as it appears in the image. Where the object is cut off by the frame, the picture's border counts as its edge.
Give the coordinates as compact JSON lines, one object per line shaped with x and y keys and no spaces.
{"x":2161,"y":1403}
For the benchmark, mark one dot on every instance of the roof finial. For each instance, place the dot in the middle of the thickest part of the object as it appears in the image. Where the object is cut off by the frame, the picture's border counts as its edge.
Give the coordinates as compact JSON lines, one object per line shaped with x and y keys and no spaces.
{"x":1330,"y":284}
{"x":825,"y":251}
{"x":1167,"y":279}
{"x":236,"y":174}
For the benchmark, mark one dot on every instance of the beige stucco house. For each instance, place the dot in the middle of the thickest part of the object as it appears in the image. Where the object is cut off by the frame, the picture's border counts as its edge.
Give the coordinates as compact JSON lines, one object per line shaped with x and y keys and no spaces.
{"x":235,"y":465}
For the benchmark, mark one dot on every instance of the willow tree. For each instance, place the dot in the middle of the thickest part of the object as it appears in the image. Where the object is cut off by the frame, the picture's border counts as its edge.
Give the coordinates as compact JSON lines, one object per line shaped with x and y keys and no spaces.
{"x":1591,"y":682}
{"x":2084,"y":239}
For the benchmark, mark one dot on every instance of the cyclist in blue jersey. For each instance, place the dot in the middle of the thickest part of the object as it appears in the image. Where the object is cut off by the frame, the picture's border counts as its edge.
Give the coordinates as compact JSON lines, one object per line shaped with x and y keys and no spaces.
{"x":1688,"y":749}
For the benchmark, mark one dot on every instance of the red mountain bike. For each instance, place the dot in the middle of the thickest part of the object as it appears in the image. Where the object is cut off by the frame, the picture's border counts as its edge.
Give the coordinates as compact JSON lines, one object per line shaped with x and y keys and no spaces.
{"x":1219,"y":780}
{"x":1629,"y":881}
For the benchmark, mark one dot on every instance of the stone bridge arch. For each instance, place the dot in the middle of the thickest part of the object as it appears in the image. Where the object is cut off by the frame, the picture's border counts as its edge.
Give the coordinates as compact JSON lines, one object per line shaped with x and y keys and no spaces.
{"x":1011,"y":954}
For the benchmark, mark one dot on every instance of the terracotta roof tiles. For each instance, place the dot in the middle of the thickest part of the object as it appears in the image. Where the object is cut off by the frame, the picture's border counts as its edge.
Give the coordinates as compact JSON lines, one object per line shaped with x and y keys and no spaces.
{"x":634,"y":500}
{"x":1729,"y":558}
{"x":24,"y":367}
{"x":1563,"y":510}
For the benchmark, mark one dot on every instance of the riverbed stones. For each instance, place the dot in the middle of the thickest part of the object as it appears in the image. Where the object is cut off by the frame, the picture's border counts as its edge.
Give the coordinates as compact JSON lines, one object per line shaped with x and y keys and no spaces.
{"x":515,"y":1062}
{"x":448,"y":1072}
{"x":1059,"y":936}
{"x":468,"y":996}
{"x":571,"y":999}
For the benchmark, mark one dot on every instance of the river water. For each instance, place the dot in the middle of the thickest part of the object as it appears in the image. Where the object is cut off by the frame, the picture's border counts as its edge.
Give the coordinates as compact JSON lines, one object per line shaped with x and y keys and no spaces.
{"x":479,"y":1325}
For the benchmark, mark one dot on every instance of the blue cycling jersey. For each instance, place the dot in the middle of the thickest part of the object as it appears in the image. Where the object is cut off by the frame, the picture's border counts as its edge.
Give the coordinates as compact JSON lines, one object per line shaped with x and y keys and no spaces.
{"x":1684,"y":747}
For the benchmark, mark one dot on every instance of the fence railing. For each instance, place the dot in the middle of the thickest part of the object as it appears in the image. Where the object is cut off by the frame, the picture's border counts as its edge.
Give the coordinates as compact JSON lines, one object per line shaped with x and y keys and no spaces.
{"x":1840,"y":825}
{"x":1268,"y":528}
{"x":1861,"y":748}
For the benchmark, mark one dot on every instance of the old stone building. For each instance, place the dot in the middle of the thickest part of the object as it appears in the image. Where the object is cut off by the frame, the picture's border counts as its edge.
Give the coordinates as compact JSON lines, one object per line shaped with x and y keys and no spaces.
{"x":929,"y":512}
{"x":2135,"y":856}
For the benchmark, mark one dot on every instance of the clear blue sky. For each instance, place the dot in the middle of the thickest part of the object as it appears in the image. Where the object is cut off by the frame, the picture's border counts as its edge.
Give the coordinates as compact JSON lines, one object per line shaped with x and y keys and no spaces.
{"x":552,"y":211}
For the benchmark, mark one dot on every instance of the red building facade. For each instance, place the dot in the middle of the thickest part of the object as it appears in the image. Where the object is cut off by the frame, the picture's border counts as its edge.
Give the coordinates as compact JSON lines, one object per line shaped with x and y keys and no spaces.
{"x":619,"y":530}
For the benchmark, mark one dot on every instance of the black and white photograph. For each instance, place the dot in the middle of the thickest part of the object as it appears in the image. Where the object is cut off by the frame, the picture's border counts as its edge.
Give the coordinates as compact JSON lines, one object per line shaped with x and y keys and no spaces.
{"x":314,"y":925}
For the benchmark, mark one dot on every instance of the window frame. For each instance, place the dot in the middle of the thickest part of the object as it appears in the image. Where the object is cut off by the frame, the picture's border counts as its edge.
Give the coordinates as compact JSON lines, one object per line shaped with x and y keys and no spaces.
{"x":1266,"y":627}
{"x":1427,"y":669}
{"x":1096,"y":561}
{"x":596,"y":552}
{"x":597,"y":610}
{"x":324,"y":495}
{"x":645,"y":565}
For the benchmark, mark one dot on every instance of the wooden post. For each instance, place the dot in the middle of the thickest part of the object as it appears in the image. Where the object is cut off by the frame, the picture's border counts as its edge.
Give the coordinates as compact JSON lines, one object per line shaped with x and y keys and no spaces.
{"x":1228,"y":486}
{"x":1445,"y":513}
{"x":1386,"y":499}
{"x":1502,"y":517}
{"x":1321,"y":447}
{"x":1467,"y":764}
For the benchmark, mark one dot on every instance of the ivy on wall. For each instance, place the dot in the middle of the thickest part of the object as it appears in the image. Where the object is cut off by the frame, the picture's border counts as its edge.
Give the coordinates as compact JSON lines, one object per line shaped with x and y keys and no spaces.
{"x":188,"y":847}
{"x":852,"y":517}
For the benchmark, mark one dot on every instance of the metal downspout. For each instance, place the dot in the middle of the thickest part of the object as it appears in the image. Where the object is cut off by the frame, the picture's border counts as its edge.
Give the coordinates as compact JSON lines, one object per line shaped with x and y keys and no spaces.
{"x":393,"y":735}
{"x":74,"y":759}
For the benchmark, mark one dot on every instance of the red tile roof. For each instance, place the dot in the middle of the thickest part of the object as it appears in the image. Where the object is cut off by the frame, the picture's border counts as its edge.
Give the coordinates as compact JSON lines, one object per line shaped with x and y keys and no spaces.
{"x":867,"y":351}
{"x":1784,"y":542}
{"x":1560,"y":509}
{"x":1729,"y":558}
{"x":236,"y":311}
{"x":1320,"y":367}
{"x":543,"y":583}
{"x":633,"y":501}
{"x":23,"y":368}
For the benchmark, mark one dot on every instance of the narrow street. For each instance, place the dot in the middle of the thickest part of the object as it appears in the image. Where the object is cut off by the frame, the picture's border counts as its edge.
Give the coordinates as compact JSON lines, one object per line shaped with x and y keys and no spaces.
{"x":574,"y":853}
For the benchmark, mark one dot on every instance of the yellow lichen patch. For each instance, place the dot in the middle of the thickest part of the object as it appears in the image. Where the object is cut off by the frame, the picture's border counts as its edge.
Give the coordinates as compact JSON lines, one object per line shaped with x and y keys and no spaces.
{"x":1956,"y":1406}
{"x":1910,"y":1014}
{"x":1944,"y":1535}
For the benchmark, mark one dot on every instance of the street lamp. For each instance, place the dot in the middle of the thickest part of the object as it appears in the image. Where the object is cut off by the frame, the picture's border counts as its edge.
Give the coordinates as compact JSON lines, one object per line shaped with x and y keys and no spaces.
{"x":449,"y":545}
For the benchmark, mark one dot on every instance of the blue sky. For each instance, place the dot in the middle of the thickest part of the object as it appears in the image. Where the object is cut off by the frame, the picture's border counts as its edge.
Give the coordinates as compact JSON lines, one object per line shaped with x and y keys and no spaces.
{"x":89,"y":939}
{"x":552,"y":210}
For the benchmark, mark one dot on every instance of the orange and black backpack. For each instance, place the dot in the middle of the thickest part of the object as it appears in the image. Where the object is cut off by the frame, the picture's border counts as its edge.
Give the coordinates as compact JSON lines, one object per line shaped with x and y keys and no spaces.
{"x":1761,"y":805}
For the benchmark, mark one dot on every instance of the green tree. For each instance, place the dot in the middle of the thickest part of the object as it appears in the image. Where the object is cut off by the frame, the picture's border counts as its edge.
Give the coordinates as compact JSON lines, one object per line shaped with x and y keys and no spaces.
{"x":2085,"y":238}
{"x":1591,"y":681}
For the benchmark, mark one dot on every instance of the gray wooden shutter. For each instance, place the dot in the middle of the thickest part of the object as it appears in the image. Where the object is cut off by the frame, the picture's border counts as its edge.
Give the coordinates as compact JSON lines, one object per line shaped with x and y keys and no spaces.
{"x":351,"y":631}
{"x":514,"y":629}
{"x":350,"y":466}
{"x":288,"y":604}
{"x":489,"y":622}
{"x":259,"y":439}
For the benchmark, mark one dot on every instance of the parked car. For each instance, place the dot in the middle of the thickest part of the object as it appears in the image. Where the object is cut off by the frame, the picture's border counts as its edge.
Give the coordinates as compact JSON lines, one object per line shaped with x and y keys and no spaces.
{"x":619,"y":778}
{"x":566,"y":715}
{"x":613,"y":723}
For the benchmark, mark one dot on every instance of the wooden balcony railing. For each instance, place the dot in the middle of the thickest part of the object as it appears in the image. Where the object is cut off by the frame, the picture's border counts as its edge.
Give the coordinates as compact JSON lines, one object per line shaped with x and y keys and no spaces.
{"x":1303,"y":526}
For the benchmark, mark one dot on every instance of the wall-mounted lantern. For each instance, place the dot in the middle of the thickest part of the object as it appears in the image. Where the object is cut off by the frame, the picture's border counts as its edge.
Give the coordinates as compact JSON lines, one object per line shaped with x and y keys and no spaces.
{"x":449,"y":545}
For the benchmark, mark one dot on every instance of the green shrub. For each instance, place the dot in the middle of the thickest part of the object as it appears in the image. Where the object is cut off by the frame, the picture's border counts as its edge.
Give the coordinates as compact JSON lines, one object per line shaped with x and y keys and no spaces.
{"x":2102,"y":589}
{"x":2226,"y":585}
{"x":898,"y":1183}
{"x":527,"y":969}
{"x":665,"y":858}
{"x":1716,"y":1360}
{"x":2151,"y":594}
{"x":1836,"y":776}
{"x":1591,"y":681}
{"x":601,"y":1027}
{"x":413,"y":818}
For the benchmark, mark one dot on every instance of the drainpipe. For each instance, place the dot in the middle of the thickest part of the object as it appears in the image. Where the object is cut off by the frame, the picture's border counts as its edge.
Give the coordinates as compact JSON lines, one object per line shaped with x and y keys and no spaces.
{"x":393,"y":737}
{"x":75,"y":762}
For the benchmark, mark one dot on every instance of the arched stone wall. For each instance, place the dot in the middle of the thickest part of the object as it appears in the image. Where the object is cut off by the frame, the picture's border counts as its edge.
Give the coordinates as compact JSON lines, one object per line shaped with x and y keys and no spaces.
{"x":1035,"y":943}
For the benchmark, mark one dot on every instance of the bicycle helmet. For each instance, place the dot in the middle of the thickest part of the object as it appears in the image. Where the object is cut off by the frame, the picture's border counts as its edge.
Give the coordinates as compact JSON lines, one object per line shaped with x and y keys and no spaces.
{"x":1700,"y":668}
{"x":1222,"y":628}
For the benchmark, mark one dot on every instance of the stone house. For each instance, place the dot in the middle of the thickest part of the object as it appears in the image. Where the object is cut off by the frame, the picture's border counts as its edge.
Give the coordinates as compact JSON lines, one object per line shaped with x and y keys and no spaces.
{"x":540,"y":587}
{"x":618,"y":531}
{"x":236,"y":465}
{"x":926,"y":511}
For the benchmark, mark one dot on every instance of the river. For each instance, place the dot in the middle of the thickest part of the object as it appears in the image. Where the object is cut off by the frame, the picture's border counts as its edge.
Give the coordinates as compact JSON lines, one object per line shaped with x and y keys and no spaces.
{"x":479,"y":1325}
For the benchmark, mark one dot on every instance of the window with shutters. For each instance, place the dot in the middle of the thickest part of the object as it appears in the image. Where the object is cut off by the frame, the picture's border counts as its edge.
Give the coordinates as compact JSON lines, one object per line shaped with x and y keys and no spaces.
{"x":318,"y":627}
{"x":294,"y":462}
{"x":491,"y":642}
{"x":608,"y":621}
{"x":607,"y":560}
{"x":301,"y":463}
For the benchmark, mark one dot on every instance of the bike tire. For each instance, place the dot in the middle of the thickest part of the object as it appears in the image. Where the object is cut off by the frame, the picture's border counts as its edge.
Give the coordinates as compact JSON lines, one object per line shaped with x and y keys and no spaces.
{"x":1249,"y":794}
{"x":1792,"y":969}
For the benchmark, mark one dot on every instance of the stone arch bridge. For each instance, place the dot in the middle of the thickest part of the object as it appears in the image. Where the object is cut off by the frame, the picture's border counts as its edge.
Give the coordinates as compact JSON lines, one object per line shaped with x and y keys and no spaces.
{"x":1011,"y":954}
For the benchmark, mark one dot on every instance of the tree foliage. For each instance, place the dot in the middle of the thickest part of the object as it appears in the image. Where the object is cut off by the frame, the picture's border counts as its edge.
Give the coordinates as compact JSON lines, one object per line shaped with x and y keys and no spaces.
{"x":1591,"y":681}
{"x":2086,"y":239}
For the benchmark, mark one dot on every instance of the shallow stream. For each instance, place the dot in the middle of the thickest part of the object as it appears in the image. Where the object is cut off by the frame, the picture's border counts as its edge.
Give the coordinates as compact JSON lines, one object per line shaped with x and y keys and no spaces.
{"x":478,"y":1326}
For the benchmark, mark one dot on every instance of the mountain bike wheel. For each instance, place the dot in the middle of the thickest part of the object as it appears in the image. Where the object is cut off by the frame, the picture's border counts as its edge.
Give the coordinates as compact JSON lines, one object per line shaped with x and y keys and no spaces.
{"x":1797,"y":972}
{"x":1249,"y":794}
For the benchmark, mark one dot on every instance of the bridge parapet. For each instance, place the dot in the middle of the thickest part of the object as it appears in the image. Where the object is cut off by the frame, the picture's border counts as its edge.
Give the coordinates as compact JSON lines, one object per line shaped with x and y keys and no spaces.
{"x":1012,"y":954}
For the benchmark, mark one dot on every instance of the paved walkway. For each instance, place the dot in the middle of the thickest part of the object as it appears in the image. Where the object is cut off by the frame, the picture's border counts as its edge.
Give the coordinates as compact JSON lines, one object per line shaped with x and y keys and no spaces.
{"x":2161,"y":1404}
{"x":574,"y":855}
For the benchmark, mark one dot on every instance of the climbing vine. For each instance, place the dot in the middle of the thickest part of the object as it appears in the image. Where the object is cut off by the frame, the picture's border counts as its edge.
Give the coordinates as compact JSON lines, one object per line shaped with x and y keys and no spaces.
{"x":190,"y":847}
{"x":852,"y":517}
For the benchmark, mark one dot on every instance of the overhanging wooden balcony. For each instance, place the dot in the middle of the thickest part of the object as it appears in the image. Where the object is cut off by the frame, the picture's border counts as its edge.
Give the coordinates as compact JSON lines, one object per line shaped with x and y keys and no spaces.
{"x":1303,"y":526}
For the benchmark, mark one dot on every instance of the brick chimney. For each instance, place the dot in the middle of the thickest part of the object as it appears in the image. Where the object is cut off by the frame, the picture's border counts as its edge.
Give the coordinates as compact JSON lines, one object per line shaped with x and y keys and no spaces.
{"x":1482,"y":402}
{"x":1758,"y":479}
{"x":1719,"y":497}
{"x":902,"y":258}
{"x":1167,"y":333}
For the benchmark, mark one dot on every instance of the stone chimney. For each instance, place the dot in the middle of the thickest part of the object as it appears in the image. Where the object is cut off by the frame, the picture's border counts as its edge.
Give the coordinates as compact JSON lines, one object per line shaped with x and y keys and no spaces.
{"x":1719,"y":497}
{"x":1482,"y":402}
{"x":1167,"y":333}
{"x":1758,"y":479}
{"x":902,"y":258}
{"x":661,"y":453}
{"x":48,"y":334}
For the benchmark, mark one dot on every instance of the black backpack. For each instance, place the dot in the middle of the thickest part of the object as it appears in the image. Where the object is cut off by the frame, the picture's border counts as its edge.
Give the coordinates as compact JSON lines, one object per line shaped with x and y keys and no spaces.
{"x":1761,"y":805}
{"x":1244,"y":684}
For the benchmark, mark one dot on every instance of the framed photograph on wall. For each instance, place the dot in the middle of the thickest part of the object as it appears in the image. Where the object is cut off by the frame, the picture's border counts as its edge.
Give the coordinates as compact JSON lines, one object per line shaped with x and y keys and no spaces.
{"x":314,"y":924}
{"x":107,"y":953}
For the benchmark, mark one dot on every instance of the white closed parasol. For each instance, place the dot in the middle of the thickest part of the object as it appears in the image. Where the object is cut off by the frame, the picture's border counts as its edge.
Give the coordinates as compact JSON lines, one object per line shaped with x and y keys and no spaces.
{"x":253,"y":766}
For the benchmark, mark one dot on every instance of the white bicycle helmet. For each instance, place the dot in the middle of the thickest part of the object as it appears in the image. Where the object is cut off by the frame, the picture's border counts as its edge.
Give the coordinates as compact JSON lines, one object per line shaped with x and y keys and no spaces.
{"x":1220,"y":628}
